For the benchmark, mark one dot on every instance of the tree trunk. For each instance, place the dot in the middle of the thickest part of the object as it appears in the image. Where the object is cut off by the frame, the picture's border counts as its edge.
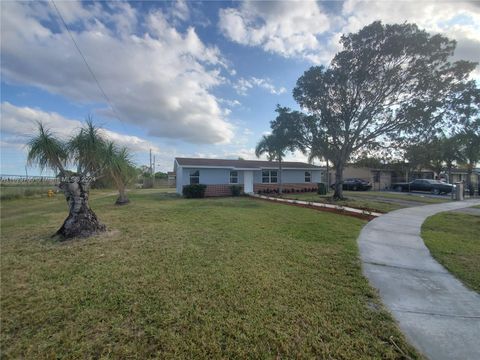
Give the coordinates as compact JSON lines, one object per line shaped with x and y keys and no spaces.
{"x":338,"y":194}
{"x":280,"y":188}
{"x":471,"y":190}
{"x":122,"y":193}
{"x":328,"y":178}
{"x":81,"y":220}
{"x":122,"y":196}
{"x":449,"y":172}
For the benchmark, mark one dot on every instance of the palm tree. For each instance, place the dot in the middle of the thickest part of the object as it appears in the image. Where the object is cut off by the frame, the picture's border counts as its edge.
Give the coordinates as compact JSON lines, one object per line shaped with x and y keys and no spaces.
{"x":470,"y":152}
{"x":47,"y":151}
{"x":87,"y":149}
{"x":120,"y":168}
{"x":88,"y":152}
{"x":272,"y":146}
{"x":316,"y":153}
{"x":450,"y":153}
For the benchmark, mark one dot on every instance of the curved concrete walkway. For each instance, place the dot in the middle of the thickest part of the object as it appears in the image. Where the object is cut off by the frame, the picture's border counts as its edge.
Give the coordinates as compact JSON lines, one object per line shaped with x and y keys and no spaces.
{"x":436,"y":312}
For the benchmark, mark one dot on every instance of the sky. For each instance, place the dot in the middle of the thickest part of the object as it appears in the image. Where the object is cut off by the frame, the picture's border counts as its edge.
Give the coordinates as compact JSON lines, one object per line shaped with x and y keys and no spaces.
{"x":191,"y":79}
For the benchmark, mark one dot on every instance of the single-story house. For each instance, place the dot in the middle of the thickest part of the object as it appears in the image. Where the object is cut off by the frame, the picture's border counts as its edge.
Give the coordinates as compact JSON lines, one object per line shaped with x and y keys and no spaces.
{"x":252,"y":175}
{"x":380,"y":179}
{"x":459,"y":175}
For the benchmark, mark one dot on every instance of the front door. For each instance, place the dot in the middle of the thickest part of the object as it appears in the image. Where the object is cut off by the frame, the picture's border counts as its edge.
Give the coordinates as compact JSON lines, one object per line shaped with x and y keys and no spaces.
{"x":248,"y":181}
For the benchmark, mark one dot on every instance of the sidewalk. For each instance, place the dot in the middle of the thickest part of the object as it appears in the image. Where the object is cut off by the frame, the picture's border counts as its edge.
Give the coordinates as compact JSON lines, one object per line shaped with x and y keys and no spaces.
{"x":437,"y":313}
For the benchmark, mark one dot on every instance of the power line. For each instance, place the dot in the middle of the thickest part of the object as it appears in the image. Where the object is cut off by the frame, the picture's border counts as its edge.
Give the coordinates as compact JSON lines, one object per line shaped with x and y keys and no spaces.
{"x":85,"y":60}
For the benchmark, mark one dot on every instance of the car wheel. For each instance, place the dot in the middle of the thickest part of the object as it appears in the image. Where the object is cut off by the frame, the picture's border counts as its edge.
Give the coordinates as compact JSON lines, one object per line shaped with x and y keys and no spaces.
{"x":398,"y":188}
{"x":354,"y":188}
{"x":436,"y":191}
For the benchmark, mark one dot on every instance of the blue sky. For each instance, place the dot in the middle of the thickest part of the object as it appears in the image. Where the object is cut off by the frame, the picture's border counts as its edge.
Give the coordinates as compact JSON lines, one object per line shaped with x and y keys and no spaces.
{"x":184,"y":78}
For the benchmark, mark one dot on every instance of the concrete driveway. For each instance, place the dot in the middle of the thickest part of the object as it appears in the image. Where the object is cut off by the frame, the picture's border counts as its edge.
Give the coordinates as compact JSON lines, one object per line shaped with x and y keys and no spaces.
{"x":436,"y":312}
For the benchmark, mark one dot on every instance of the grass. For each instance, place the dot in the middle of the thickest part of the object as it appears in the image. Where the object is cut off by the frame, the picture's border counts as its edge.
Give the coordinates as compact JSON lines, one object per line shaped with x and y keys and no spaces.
{"x":16,"y":191}
{"x":359,"y":203}
{"x":377,"y":201}
{"x":176,"y":278}
{"x":453,"y":239}
{"x":417,"y":197}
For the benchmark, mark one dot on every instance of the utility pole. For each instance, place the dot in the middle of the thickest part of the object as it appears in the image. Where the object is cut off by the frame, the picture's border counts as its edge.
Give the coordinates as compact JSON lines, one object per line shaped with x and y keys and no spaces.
{"x":153,"y":175}
{"x":151,"y":162}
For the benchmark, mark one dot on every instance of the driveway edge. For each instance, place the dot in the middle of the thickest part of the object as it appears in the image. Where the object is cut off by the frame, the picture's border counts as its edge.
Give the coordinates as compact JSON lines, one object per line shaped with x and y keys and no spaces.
{"x":435,"y":311}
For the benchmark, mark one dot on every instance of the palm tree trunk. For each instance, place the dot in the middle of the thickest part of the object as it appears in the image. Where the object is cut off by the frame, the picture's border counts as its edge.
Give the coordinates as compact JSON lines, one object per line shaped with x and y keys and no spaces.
{"x":470,"y":188}
{"x":327,"y":180}
{"x":81,"y":220}
{"x":280,"y":188}
{"x":122,"y":196}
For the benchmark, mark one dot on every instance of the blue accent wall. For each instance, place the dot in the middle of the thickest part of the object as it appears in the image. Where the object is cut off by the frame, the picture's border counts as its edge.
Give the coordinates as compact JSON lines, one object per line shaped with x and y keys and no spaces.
{"x":222,"y":176}
{"x":211,"y":176}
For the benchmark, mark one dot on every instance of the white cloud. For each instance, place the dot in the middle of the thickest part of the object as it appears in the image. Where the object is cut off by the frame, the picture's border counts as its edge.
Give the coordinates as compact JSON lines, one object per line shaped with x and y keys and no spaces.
{"x":304,"y":30}
{"x":243,"y":85}
{"x":160,"y":79}
{"x":288,"y":28}
{"x":20,"y":123}
{"x":180,"y":10}
{"x":456,"y":20}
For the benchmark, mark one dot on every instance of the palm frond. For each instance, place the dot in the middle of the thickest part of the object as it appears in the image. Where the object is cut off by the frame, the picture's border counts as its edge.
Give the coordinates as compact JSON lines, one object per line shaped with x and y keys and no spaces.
{"x":88,"y":148}
{"x":47,"y":151}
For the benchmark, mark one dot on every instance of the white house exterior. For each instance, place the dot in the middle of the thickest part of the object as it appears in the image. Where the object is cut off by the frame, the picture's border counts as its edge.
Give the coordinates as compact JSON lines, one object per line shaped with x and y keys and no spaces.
{"x":252,"y":175}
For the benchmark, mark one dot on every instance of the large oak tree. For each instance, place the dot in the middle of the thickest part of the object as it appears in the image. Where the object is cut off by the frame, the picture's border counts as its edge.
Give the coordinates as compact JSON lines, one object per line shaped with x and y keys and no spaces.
{"x":387,"y":83}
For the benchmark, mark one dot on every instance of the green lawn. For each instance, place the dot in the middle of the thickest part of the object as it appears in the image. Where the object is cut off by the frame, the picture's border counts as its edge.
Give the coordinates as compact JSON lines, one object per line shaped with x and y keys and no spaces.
{"x":377,"y":201}
{"x":453,"y":239}
{"x":12,"y":191}
{"x":352,"y":201}
{"x":175,"y":278}
{"x":417,"y":197}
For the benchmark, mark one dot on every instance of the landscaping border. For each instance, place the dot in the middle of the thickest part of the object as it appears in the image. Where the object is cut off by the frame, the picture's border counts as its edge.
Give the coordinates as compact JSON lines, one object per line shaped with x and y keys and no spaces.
{"x":337,"y":209}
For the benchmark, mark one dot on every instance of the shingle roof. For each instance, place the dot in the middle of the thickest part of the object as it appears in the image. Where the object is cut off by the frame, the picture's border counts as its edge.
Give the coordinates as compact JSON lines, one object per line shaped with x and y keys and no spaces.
{"x":244,"y":164}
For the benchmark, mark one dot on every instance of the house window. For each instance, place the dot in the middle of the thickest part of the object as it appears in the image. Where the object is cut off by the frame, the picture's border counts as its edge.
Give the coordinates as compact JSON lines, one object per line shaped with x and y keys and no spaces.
{"x":233,"y":177}
{"x":308,"y":176}
{"x":269,"y":176}
{"x":194,"y":177}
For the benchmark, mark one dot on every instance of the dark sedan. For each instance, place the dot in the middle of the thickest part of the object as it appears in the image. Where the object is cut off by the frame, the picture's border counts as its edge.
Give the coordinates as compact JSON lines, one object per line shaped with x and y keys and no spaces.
{"x":433,"y":186}
{"x":355,"y":184}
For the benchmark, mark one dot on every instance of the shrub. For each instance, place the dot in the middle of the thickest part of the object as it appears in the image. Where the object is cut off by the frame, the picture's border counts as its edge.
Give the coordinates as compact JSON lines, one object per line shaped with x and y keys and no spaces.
{"x":30,"y":192}
{"x":236,"y":190}
{"x":322,"y":189}
{"x":194,"y":191}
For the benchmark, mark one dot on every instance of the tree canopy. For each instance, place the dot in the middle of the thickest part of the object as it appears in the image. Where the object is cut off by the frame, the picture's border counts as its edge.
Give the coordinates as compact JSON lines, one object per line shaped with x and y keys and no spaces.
{"x":390,"y":82}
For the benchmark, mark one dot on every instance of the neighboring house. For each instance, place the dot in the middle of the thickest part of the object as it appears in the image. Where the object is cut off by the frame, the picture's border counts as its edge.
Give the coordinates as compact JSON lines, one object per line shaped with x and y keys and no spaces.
{"x":459,"y":175}
{"x":380,"y":179}
{"x":252,"y":175}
